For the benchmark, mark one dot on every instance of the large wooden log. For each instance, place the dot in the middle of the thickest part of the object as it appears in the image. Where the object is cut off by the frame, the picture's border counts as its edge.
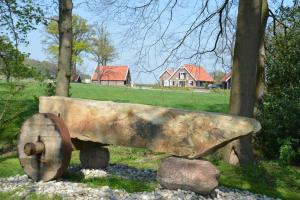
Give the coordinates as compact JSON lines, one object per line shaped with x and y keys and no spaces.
{"x":177,"y":132}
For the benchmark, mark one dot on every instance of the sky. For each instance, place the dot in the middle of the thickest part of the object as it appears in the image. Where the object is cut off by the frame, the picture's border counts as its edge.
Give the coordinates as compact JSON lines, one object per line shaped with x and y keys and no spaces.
{"x":126,"y":54}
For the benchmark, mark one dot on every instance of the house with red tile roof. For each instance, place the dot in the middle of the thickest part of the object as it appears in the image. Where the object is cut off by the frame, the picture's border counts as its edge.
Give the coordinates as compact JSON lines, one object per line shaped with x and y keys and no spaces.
{"x":164,"y":77}
{"x":112,"y":75}
{"x":186,"y":75}
{"x":226,"y":81}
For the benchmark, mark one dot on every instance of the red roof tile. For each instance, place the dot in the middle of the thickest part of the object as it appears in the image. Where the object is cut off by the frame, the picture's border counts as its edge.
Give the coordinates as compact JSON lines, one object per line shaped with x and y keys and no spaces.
{"x":198,"y":73}
{"x":110,"y":73}
{"x":226,"y":77}
{"x":170,"y":71}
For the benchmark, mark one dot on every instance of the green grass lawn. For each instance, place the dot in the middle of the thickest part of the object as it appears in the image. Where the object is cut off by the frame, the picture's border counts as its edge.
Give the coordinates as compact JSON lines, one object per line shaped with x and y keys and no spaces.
{"x":25,"y":103}
{"x":19,"y":107}
{"x":212,"y":102}
{"x":267,"y":177}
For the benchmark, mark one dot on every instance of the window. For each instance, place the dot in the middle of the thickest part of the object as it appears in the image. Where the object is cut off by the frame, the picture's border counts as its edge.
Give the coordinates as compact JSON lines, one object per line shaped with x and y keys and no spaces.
{"x":191,"y":83}
{"x":182,"y":75}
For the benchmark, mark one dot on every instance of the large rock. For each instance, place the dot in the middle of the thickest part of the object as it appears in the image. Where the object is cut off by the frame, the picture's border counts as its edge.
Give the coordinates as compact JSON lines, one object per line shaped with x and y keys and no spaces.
{"x":177,"y":132}
{"x":199,"y":176}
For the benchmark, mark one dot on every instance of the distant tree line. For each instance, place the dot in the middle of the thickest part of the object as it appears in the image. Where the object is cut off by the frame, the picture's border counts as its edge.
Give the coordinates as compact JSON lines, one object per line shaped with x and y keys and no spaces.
{"x":90,"y":40}
{"x":46,"y":68}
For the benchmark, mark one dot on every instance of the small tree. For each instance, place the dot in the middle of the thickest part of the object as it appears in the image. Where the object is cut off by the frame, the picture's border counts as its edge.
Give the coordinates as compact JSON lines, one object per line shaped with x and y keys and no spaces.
{"x":18,"y":17}
{"x":218,"y":75}
{"x":102,"y":50}
{"x":11,"y":60}
{"x":81,"y":33}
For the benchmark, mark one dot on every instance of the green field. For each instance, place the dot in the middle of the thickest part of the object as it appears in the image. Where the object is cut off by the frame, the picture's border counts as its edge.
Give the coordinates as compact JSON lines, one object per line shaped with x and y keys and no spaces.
{"x":267,"y":177}
{"x":25,"y":103}
{"x":213,"y":102}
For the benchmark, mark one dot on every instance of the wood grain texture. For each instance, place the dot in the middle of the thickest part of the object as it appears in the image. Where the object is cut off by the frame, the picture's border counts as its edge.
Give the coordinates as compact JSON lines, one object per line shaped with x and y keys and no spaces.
{"x":177,"y":132}
{"x":94,"y":158}
{"x":55,"y":157}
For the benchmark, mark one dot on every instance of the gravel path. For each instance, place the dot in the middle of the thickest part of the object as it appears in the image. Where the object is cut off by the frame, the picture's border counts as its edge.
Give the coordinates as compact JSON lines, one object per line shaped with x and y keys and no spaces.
{"x":120,"y":170}
{"x":23,"y":186}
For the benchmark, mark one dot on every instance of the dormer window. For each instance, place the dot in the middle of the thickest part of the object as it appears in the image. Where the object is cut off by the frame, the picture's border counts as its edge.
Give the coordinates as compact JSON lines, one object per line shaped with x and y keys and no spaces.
{"x":182,"y":75}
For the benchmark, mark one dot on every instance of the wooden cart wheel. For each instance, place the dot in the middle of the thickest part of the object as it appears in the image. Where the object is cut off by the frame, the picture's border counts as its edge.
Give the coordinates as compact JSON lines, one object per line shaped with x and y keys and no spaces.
{"x":44,"y":147}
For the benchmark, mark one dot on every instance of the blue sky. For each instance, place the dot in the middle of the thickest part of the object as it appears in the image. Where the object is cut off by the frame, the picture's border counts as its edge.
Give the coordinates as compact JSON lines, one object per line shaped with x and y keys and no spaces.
{"x":126,"y":54}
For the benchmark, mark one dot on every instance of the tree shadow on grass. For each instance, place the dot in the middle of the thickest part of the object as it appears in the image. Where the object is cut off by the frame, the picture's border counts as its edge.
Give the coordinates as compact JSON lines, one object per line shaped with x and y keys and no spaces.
{"x":120,"y":170}
{"x":218,"y":108}
{"x":119,"y":177}
{"x":273,"y":181}
{"x":4,"y":158}
{"x":16,"y":114}
{"x":121,"y":101}
{"x":10,"y":166}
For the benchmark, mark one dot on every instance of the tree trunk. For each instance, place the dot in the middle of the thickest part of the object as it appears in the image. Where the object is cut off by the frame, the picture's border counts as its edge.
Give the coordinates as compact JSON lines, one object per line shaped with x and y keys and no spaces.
{"x":7,"y":78}
{"x":65,"y":48}
{"x":260,"y":78}
{"x":245,"y":60}
{"x":103,"y":62}
{"x":98,"y":61}
{"x":74,"y":68}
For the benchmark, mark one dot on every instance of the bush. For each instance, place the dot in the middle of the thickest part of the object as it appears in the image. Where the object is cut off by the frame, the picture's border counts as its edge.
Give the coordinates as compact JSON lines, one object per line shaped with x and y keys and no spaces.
{"x":50,"y":88}
{"x":9,"y":109}
{"x":280,"y":112}
{"x":286,"y":153}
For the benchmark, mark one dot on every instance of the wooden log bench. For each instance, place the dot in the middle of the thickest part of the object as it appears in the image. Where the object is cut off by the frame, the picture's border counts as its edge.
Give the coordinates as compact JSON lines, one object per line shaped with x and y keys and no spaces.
{"x":66,"y":124}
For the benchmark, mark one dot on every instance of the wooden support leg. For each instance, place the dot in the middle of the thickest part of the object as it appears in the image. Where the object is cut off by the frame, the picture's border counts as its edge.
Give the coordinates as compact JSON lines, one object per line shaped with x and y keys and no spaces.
{"x":93,"y":158}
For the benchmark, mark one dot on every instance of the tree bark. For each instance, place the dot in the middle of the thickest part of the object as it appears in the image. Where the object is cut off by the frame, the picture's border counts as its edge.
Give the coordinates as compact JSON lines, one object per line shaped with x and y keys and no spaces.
{"x":65,"y":48}
{"x":7,"y":78}
{"x":98,"y":61}
{"x":245,"y":60}
{"x":260,"y":77}
{"x":74,"y":68}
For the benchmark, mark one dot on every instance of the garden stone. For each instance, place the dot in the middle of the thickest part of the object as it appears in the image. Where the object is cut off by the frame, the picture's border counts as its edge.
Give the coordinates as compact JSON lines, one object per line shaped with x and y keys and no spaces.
{"x":199,"y":176}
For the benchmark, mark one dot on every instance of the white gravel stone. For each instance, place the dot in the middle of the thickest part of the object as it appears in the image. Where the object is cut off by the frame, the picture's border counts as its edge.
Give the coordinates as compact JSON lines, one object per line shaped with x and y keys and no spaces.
{"x":71,"y":191}
{"x":93,"y":173}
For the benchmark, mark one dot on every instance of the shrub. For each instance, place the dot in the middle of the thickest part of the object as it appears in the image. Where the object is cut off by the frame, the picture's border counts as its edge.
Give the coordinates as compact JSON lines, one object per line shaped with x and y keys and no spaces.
{"x":50,"y":88}
{"x":280,"y":112}
{"x":9,"y":110}
{"x":286,"y":153}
